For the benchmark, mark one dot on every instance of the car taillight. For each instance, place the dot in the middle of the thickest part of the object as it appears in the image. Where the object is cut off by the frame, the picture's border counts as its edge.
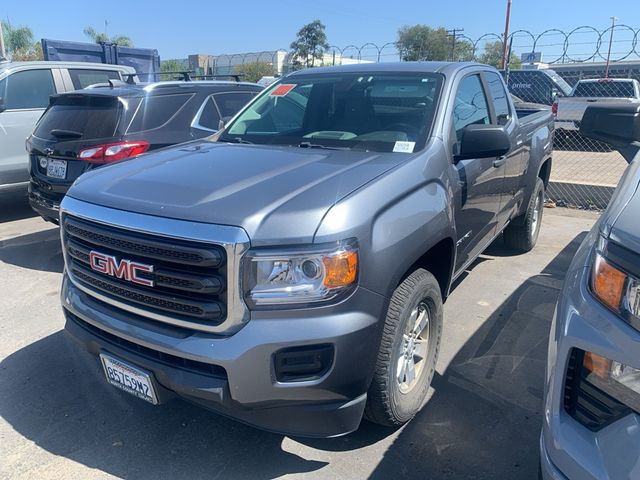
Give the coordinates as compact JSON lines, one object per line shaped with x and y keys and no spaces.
{"x":112,"y":152}
{"x":554,"y":108}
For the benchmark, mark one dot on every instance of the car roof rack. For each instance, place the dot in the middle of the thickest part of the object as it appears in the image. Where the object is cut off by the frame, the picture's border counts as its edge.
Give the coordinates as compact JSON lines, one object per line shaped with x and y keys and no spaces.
{"x":187,"y":76}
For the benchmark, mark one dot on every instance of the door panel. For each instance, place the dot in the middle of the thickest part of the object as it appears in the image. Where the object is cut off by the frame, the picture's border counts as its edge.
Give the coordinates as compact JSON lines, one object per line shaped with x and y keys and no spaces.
{"x":515,"y":161}
{"x":15,"y":127}
{"x":480,"y":180}
{"x":26,"y":95}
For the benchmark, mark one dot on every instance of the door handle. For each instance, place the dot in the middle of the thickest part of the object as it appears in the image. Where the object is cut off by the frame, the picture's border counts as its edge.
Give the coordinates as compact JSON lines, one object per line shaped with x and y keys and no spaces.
{"x":499,"y":162}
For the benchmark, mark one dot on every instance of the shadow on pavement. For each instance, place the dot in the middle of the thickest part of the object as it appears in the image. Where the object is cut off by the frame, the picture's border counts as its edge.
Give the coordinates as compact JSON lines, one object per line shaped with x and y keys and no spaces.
{"x":54,"y":395}
{"x":484,"y":418}
{"x":482,"y":421}
{"x":15,"y":206}
{"x":36,"y":251}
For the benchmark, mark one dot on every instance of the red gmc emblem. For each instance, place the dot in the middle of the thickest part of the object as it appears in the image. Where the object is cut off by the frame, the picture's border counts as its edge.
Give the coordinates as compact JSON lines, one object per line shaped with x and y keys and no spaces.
{"x":125,"y":269}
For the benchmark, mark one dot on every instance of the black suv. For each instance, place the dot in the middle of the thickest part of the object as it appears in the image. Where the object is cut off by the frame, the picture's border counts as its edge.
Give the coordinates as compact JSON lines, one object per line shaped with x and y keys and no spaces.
{"x":88,"y":128}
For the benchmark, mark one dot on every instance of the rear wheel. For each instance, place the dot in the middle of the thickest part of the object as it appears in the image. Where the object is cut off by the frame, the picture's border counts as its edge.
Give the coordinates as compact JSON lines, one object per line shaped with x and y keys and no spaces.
{"x":408,"y":351}
{"x":522,"y":233}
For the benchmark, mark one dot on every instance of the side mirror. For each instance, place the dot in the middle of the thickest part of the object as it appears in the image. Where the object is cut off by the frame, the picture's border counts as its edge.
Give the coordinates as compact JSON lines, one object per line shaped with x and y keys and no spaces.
{"x":3,"y":106}
{"x":618,"y":125}
{"x":482,"y":141}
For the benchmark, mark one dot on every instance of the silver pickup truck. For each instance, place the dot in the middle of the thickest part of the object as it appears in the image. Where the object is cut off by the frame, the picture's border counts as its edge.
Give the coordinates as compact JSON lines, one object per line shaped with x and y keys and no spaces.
{"x":290,"y":271}
{"x":25,"y":88}
{"x":570,"y":110}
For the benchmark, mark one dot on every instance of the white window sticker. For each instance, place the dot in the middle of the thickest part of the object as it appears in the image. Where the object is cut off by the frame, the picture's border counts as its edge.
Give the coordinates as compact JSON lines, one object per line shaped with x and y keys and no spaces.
{"x":404,"y":147}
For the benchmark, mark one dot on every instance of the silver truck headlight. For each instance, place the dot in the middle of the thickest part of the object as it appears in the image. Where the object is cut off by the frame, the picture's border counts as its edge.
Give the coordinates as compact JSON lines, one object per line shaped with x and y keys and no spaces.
{"x":300,"y":276}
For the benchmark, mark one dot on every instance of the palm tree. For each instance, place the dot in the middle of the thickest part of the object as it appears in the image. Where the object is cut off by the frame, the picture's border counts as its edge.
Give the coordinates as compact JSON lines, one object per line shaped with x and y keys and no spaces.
{"x":102,"y":37}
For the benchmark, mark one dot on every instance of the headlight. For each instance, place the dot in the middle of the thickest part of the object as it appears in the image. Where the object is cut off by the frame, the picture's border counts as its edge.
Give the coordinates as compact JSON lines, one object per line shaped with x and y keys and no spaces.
{"x":300,"y":276}
{"x":613,"y":285}
{"x":599,"y":391}
{"x":618,"y":380}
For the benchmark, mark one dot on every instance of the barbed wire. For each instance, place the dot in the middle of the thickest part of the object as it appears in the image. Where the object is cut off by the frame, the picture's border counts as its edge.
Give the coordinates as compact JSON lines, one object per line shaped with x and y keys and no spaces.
{"x":583,"y":44}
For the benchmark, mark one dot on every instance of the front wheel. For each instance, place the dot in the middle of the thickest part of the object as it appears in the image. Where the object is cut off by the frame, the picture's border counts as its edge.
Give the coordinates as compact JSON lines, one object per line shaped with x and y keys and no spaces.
{"x":408,"y":351}
{"x":522,"y":233}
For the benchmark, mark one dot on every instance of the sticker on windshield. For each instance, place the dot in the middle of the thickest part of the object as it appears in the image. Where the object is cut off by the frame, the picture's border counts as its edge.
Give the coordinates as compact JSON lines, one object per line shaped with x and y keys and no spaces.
{"x":282,"y":90}
{"x":404,"y":147}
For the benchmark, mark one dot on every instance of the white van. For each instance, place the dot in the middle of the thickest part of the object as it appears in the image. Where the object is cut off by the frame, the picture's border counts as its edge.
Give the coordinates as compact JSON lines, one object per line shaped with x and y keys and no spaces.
{"x":25,"y":88}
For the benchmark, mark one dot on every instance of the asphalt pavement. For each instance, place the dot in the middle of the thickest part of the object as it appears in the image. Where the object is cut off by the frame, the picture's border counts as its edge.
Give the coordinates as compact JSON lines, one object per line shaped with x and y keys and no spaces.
{"x":60,"y":419}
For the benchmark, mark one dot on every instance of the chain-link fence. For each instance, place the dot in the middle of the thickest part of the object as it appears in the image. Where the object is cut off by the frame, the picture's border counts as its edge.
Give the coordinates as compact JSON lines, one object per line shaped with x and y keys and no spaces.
{"x":585,"y":172}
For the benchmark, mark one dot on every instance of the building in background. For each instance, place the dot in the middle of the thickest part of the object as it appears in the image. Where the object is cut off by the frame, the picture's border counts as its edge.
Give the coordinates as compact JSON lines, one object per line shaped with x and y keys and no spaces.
{"x":280,"y":60}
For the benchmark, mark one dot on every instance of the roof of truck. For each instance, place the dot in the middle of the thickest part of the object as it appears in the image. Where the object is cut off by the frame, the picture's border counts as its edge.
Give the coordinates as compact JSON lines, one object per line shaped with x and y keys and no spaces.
{"x":426,"y":67}
{"x":106,"y":66}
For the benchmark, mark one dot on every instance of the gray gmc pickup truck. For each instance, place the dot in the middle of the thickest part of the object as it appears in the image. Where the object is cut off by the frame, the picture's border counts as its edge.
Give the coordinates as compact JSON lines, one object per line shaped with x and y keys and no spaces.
{"x":290,"y":271}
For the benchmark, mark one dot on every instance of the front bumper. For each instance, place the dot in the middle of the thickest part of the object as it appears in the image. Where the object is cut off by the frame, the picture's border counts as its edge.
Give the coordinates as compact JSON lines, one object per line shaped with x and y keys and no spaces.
{"x":569,"y":449}
{"x":247,"y":389}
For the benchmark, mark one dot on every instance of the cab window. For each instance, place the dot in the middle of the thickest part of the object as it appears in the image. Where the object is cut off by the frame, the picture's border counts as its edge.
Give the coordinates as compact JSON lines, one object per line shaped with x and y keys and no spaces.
{"x":499,"y":97}
{"x":27,"y":89}
{"x":470,"y":107}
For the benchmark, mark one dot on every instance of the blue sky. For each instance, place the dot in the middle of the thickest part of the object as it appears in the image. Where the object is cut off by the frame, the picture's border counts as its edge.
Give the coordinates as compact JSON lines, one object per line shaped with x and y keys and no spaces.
{"x":179,"y":28}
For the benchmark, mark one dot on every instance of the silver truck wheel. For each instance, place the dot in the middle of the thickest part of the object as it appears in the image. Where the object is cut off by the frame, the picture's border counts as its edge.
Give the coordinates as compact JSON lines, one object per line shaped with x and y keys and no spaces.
{"x":522,"y":233}
{"x":408,"y":351}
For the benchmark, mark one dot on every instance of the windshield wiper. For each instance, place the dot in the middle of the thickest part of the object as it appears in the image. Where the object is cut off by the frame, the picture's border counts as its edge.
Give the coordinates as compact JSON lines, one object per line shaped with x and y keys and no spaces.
{"x":59,"y":133}
{"x":317,"y":145}
{"x":237,"y":140}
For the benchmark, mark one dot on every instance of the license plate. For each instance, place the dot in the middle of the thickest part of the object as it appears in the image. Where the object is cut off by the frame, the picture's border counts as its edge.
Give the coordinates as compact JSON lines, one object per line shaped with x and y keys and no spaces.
{"x":57,"y":168}
{"x":128,"y":378}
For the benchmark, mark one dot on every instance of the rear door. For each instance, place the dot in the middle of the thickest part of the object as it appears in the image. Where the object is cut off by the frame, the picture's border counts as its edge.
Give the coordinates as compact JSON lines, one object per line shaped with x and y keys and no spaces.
{"x":516,"y":161}
{"x":26,"y":95}
{"x":480,"y":180}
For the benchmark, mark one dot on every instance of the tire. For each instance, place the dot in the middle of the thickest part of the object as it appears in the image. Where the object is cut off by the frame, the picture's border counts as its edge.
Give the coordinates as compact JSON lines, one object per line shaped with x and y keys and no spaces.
{"x":522,"y":233}
{"x":390,"y":401}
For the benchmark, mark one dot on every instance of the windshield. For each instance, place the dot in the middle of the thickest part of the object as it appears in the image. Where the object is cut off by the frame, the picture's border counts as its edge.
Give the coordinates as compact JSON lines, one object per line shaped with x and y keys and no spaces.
{"x":604,"y":88}
{"x":379,"y":112}
{"x":560,"y":82}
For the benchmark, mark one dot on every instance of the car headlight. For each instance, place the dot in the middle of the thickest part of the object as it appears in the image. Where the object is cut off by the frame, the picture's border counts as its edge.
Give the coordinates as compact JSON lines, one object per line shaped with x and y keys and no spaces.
{"x":621,"y":382}
{"x":613,"y":284}
{"x":300,"y":276}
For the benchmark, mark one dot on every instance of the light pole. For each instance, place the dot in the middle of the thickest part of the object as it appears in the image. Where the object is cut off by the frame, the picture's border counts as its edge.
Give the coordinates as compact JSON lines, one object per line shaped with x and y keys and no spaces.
{"x":505,"y":48}
{"x":2,"y":52}
{"x":613,"y":26}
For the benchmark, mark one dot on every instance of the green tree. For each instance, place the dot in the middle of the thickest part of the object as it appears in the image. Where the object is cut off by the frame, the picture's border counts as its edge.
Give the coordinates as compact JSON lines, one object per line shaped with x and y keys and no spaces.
{"x":421,"y":42}
{"x":171,"y":66}
{"x":19,"y":43}
{"x":254,"y":71}
{"x":492,"y":55}
{"x":102,"y":37}
{"x":310,"y":44}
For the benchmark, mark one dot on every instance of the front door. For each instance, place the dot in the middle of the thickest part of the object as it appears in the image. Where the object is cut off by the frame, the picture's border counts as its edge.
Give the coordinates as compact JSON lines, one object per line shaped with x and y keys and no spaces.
{"x":25,"y":95}
{"x":480,"y":180}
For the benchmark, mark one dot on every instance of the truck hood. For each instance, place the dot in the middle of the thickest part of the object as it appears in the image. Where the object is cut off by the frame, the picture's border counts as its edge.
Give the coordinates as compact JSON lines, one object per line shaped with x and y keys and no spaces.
{"x":278,"y":194}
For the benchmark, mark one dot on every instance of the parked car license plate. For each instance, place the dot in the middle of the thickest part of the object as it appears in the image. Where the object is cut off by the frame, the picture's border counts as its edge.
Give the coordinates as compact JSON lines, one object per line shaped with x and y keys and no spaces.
{"x":57,"y":168}
{"x":128,"y":378}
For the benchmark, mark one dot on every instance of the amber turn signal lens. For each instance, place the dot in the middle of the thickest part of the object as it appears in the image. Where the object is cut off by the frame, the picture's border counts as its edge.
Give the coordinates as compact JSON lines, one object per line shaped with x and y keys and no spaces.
{"x":341,"y":269}
{"x":608,"y":283}
{"x":597,"y":365}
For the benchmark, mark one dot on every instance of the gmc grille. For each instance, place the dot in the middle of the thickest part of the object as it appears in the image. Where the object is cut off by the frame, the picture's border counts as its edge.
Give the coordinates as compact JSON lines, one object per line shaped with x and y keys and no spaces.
{"x":189,"y":278}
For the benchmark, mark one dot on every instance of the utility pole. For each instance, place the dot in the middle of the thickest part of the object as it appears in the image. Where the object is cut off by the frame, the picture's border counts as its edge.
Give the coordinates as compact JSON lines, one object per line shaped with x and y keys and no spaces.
{"x":453,"y":32}
{"x":505,"y":47}
{"x":3,"y":54}
{"x":613,"y":26}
